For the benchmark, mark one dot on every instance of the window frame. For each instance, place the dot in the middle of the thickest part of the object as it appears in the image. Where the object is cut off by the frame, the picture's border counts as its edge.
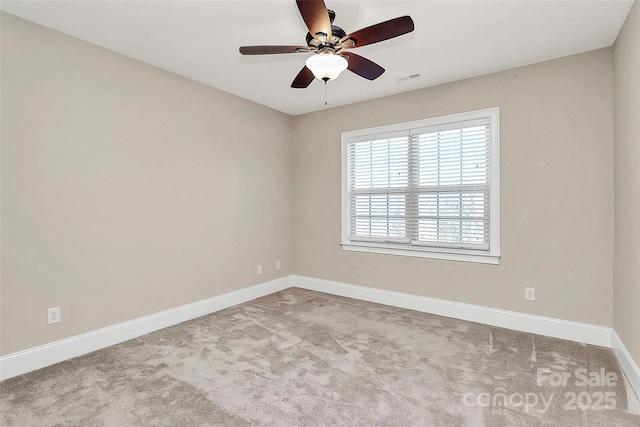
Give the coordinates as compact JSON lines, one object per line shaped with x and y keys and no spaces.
{"x":489,"y":256}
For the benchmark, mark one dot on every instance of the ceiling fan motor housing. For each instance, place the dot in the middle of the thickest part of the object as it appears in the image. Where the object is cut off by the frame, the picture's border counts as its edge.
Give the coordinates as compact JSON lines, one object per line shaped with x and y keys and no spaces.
{"x":336,"y":34}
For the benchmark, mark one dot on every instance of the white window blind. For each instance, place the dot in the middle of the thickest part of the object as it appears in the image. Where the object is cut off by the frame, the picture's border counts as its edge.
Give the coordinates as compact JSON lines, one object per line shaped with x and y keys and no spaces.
{"x":424,"y":186}
{"x":451,"y":176}
{"x":379,"y":179}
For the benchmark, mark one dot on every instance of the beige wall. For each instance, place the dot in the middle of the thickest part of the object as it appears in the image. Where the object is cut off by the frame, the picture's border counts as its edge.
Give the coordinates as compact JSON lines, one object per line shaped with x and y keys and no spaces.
{"x":626,"y":254}
{"x":127,"y":190}
{"x":557,"y":191}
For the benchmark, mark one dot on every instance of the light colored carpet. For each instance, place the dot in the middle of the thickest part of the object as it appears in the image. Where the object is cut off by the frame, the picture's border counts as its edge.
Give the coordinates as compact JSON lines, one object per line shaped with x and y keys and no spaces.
{"x":299,"y":357}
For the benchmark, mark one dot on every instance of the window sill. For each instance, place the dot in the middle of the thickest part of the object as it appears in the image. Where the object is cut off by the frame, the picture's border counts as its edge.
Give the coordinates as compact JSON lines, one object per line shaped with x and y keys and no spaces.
{"x":450,"y":255}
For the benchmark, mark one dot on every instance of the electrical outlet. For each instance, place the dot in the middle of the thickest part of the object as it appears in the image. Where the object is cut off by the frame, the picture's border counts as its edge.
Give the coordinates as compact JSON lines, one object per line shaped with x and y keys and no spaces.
{"x":277,"y":265}
{"x":259,"y":269}
{"x":530,"y":294}
{"x":53,"y":315}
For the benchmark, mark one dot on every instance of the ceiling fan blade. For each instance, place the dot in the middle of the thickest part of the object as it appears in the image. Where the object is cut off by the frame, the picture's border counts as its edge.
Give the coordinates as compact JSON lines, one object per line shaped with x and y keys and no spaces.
{"x":363,"y":66}
{"x":268,"y":50}
{"x":379,"y":32}
{"x":303,"y":79}
{"x":315,"y":16}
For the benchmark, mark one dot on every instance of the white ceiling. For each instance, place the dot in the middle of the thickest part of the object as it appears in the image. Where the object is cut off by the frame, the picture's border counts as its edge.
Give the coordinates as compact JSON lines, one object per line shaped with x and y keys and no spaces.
{"x":452,"y":40}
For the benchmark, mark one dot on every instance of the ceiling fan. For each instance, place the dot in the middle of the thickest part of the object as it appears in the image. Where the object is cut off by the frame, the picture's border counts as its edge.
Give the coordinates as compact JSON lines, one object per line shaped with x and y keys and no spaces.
{"x":330,"y":45}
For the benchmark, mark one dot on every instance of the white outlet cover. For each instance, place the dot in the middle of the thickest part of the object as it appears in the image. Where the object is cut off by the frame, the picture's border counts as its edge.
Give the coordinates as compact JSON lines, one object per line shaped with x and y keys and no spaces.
{"x":530,"y":294}
{"x":53,"y":315}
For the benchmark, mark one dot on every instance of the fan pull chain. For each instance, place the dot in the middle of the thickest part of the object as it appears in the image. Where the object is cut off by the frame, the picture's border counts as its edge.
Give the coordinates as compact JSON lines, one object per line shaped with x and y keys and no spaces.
{"x":325,"y":91}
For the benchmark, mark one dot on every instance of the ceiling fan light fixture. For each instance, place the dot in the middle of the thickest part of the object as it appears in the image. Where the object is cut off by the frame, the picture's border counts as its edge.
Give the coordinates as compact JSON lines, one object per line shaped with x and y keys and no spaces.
{"x":326,"y":66}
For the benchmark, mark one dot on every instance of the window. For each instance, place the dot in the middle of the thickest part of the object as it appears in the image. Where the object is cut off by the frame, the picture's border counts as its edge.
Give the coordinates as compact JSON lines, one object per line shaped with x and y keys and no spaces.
{"x":429,"y":188}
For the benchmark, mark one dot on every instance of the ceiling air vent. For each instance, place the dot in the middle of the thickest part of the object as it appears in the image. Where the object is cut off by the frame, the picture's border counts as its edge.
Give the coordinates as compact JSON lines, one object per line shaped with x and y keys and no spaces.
{"x":403,"y":78}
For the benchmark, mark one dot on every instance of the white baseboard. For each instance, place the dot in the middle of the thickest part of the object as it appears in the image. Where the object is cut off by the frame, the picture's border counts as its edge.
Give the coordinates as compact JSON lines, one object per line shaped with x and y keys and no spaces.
{"x":628,"y":365}
{"x":38,"y":357}
{"x":564,"y":329}
{"x":31,"y":359}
